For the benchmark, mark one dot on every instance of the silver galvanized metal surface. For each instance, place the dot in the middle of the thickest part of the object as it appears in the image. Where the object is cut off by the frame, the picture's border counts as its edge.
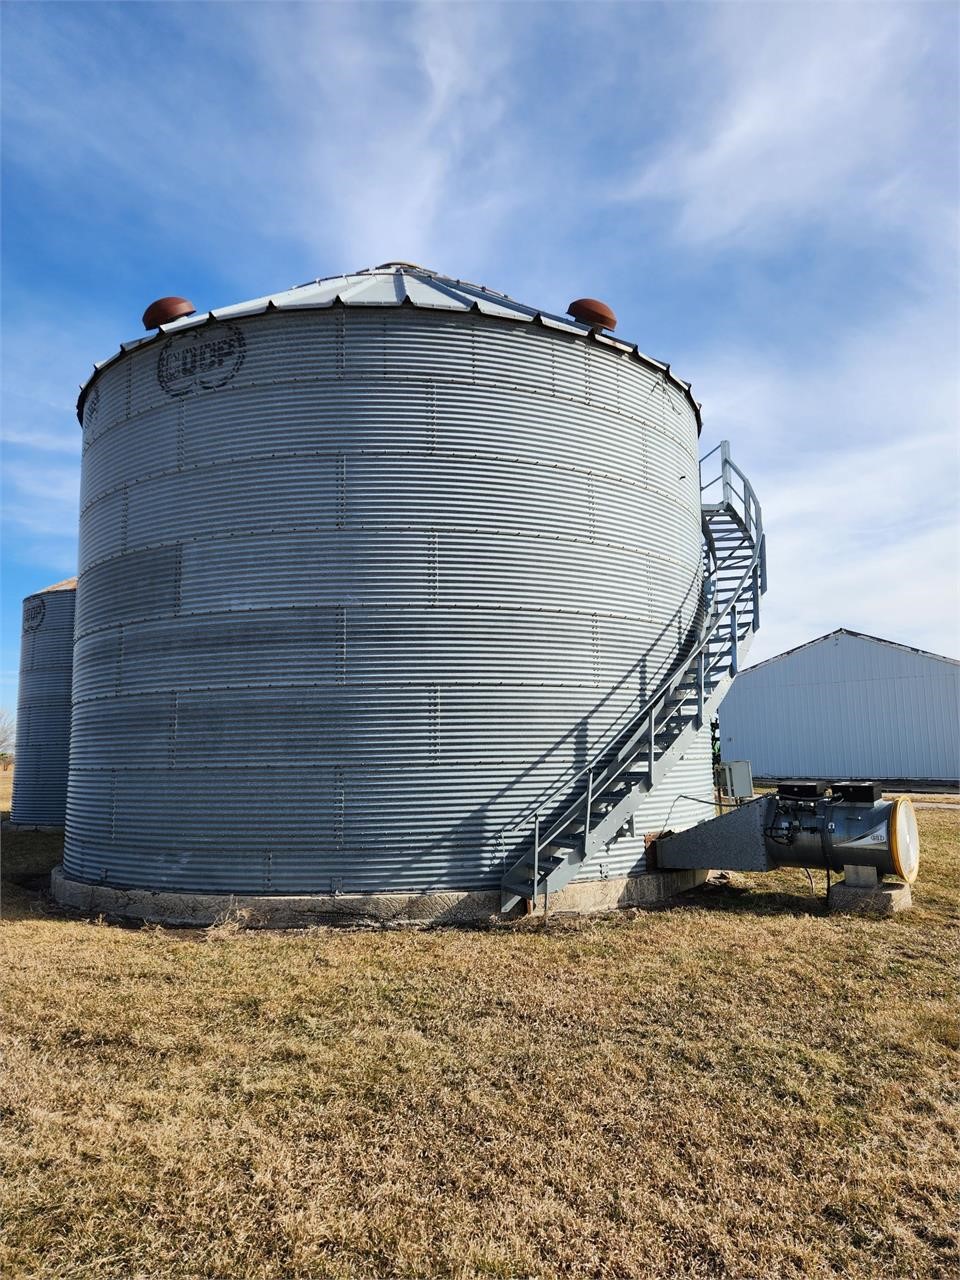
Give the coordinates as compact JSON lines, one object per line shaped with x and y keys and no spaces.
{"x":390,"y":285}
{"x":43,"y":706}
{"x":847,"y":706}
{"x":359,"y":589}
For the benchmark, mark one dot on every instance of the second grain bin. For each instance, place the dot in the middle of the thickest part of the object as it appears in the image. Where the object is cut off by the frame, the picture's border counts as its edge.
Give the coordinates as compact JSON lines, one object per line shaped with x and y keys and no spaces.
{"x":43,"y":707}
{"x":368,"y":571}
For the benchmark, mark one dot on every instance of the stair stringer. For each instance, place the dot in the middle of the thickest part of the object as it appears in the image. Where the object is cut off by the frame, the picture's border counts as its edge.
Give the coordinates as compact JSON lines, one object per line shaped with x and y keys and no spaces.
{"x":610,"y":826}
{"x":735,"y":579}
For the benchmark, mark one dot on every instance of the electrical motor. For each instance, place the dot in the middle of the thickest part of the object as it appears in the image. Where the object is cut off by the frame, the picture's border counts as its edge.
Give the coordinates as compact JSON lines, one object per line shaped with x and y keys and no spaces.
{"x":851,"y":826}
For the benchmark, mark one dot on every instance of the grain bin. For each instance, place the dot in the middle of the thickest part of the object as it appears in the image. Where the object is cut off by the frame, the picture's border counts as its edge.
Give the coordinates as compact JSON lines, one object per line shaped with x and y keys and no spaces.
{"x":43,"y":706}
{"x":370,"y":572}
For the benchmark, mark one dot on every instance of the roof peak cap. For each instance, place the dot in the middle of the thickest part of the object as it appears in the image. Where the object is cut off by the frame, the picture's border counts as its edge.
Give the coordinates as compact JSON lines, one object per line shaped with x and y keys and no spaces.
{"x":399,"y":266}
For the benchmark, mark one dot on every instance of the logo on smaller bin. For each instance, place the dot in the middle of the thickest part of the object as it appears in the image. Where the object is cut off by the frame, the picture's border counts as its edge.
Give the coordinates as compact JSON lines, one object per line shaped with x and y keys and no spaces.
{"x":34,"y":607}
{"x":201,"y":359}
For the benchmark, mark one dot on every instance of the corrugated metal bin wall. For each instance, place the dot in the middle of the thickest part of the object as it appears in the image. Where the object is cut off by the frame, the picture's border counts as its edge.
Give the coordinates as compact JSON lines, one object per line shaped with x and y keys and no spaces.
{"x":43,"y":707}
{"x":343,"y":619}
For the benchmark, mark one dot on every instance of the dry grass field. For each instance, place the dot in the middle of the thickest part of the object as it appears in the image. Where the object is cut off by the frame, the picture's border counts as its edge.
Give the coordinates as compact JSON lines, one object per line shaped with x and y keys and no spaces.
{"x":735,"y":1086}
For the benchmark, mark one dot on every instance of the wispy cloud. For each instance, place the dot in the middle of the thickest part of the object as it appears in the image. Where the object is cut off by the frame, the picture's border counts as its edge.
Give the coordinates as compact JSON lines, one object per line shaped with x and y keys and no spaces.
{"x":356,"y":127}
{"x":856,"y":459}
{"x":42,"y":363}
{"x":806,"y":116}
{"x":775,"y":186}
{"x":834,"y":132}
{"x":45,"y":499}
{"x":401,"y":139}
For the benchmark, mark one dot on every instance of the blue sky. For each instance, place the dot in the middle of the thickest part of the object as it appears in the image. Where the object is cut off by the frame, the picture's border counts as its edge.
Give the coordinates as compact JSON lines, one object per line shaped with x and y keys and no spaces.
{"x":766,"y":194}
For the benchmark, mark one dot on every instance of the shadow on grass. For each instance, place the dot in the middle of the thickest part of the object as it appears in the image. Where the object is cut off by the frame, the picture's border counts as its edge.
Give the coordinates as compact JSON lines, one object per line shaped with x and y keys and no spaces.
{"x":28,"y":858}
{"x":746,"y":900}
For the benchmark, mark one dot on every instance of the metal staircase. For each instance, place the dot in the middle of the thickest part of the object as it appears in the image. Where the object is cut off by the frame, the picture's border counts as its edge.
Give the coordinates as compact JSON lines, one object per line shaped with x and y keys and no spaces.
{"x":587,"y":812}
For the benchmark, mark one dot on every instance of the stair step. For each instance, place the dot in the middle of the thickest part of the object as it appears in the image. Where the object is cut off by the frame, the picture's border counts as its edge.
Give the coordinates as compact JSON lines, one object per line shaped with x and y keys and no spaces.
{"x":614,"y":795}
{"x":520,"y":889}
{"x":547,"y":862}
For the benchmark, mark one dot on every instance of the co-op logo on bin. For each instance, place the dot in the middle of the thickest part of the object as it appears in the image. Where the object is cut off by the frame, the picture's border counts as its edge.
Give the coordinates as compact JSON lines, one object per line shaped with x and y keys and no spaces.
{"x":200,"y":360}
{"x":34,"y":607}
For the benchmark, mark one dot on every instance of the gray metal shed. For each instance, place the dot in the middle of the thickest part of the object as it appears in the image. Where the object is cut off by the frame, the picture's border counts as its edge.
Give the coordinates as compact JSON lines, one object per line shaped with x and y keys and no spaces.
{"x":847,"y":705}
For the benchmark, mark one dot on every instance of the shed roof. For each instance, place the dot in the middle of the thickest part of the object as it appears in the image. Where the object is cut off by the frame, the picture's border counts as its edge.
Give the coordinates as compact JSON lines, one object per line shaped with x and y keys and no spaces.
{"x":395,"y":284}
{"x":857,"y":635}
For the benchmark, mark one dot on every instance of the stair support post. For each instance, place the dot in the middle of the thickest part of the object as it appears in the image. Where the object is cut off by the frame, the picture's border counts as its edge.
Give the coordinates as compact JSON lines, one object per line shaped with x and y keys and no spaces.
{"x":725,"y":473}
{"x":586,"y":821}
{"x":651,"y":744}
{"x":734,"y":641}
{"x":701,"y":676}
{"x":536,"y":858}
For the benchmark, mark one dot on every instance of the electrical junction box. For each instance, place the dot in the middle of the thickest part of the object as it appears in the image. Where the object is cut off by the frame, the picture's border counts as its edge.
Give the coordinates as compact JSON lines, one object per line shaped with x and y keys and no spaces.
{"x":736,"y":779}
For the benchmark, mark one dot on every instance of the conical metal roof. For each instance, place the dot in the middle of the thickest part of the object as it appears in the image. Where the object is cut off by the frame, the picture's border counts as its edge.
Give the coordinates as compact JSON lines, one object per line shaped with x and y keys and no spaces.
{"x":390,"y":285}
{"x":394,"y":284}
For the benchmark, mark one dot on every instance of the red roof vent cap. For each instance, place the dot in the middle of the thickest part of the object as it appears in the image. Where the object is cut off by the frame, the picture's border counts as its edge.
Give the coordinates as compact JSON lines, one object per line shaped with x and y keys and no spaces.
{"x":592,"y":312}
{"x":166,"y":309}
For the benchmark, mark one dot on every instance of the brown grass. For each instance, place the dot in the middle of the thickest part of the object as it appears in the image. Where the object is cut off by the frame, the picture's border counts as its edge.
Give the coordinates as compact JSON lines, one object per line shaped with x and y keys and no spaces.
{"x":927,"y":797}
{"x":738,"y":1086}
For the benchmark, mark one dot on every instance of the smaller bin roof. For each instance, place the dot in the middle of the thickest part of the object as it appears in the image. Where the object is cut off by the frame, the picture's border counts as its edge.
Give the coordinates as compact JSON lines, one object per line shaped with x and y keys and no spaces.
{"x":395,"y":284}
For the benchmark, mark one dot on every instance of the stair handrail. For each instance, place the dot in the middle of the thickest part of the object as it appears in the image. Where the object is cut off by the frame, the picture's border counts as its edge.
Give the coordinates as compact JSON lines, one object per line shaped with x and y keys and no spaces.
{"x":750,"y":519}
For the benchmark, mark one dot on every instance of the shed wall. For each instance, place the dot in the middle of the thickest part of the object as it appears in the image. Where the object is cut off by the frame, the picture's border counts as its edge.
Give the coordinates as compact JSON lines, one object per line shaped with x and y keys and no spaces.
{"x":846,"y":707}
